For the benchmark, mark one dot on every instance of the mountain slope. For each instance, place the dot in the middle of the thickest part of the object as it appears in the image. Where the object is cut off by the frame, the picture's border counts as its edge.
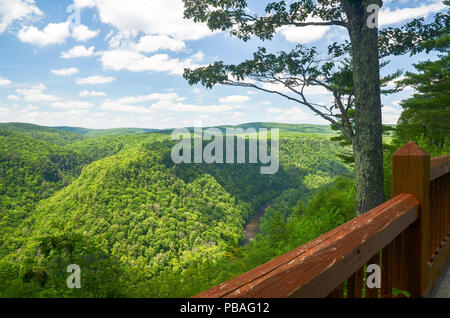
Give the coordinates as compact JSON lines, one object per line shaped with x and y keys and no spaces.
{"x":123,"y":211}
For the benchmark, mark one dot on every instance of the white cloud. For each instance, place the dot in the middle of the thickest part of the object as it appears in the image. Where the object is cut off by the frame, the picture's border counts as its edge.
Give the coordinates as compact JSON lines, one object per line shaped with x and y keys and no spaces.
{"x":161,"y":102}
{"x":295,"y":114}
{"x":118,"y":60}
{"x":72,"y":105}
{"x":13,"y":97}
{"x":14,"y":10}
{"x":82,"y":33}
{"x":151,"y":17}
{"x":93,"y":80}
{"x":304,"y":35}
{"x":392,"y":112}
{"x":78,"y":51}
{"x":84,"y":3}
{"x":170,"y":97}
{"x":275,"y":87}
{"x":53,"y":33}
{"x":87,"y":93}
{"x":308,"y":91}
{"x":388,"y":16}
{"x":4,"y":81}
{"x":188,"y":108}
{"x":234,"y":99}
{"x":65,"y":71}
{"x":238,"y":115}
{"x":196,"y":91}
{"x":393,"y":84}
{"x":118,"y":107}
{"x":35,"y":94}
{"x":153,"y":43}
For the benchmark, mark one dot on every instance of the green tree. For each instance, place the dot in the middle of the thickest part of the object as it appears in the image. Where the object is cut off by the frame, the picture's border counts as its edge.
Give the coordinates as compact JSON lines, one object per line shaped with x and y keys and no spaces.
{"x":426,"y":116}
{"x":304,"y":67}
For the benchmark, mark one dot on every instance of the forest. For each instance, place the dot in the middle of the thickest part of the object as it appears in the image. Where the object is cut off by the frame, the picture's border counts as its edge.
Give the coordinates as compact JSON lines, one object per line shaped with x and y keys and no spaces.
{"x":138,"y":225}
{"x":113,"y":202}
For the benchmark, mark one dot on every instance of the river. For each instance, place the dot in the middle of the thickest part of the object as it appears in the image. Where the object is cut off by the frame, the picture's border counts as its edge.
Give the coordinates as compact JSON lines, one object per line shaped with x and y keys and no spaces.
{"x":252,"y":226}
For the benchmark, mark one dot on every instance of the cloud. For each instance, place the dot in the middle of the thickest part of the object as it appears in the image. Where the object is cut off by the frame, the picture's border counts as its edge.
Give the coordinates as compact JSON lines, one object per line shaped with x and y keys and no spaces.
{"x":306,"y":34}
{"x":72,"y":105}
{"x":35,"y":94}
{"x":160,"y":17}
{"x":78,"y":51}
{"x":234,"y":99}
{"x":391,"y":113}
{"x":16,"y":10}
{"x":196,"y":91}
{"x":13,"y":97}
{"x":152,"y":97}
{"x":65,"y":71}
{"x":84,"y":3}
{"x":118,"y":60}
{"x":294,"y":114}
{"x":82,"y":33}
{"x":87,"y":93}
{"x":309,"y":90}
{"x":118,"y":107}
{"x":161,"y":102}
{"x":303,"y":35}
{"x":393,"y":84}
{"x":53,"y":33}
{"x":4,"y":81}
{"x":153,"y":43}
{"x":388,"y":16}
{"x":94,"y":80}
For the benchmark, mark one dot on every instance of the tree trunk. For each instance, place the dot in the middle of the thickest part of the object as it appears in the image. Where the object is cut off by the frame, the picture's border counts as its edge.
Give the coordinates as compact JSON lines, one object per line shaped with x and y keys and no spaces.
{"x":367,"y":143}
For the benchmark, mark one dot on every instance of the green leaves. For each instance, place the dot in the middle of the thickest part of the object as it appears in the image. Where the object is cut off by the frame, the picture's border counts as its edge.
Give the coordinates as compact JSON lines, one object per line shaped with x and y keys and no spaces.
{"x":236,"y":16}
{"x":138,"y":225}
{"x":416,"y":36}
{"x":397,"y":292}
{"x":418,"y":121}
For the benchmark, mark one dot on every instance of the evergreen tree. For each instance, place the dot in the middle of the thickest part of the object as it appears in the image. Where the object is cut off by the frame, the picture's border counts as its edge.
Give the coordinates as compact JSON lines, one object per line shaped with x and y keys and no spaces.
{"x":426,"y":116}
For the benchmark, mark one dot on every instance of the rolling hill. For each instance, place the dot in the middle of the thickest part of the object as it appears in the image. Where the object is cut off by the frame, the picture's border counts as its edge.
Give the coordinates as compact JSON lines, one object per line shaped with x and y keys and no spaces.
{"x":120,"y":208}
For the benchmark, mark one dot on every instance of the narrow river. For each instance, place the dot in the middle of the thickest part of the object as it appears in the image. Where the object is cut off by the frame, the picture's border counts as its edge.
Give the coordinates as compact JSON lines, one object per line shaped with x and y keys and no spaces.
{"x":252,"y":226}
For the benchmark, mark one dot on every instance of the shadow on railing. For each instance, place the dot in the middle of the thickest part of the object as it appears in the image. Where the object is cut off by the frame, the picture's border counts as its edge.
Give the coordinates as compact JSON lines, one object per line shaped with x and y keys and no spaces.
{"x":407,"y":237}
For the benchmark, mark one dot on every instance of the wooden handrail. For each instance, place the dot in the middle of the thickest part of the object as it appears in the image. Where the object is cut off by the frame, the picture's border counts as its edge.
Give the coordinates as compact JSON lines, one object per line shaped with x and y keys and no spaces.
{"x":318,"y":267}
{"x":408,"y":236}
{"x":439,"y":166}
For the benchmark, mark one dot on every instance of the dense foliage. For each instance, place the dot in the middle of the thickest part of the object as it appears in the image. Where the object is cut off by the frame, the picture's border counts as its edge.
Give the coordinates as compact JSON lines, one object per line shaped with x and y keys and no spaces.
{"x":138,"y":225}
{"x":426,"y":115}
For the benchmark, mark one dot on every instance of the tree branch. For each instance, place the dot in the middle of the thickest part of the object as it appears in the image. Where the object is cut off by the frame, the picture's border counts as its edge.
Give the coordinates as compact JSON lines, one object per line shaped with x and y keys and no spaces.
{"x":324,"y":23}
{"x":303,"y":102}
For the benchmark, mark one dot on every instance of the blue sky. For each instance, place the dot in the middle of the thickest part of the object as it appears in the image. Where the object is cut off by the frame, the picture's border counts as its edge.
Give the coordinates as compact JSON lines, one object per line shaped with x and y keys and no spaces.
{"x":120,"y":65}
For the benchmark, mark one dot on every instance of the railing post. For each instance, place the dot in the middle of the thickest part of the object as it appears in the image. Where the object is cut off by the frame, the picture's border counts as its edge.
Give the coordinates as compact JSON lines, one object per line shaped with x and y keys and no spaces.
{"x":411,"y":174}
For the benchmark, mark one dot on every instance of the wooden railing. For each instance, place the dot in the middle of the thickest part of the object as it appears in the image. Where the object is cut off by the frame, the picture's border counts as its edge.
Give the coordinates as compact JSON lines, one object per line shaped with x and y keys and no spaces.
{"x":408,"y":237}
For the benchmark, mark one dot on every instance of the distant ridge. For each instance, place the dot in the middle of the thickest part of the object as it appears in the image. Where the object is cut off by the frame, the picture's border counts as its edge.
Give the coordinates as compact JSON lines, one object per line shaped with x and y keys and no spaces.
{"x":301,"y":128}
{"x":63,"y":135}
{"x":106,"y":132}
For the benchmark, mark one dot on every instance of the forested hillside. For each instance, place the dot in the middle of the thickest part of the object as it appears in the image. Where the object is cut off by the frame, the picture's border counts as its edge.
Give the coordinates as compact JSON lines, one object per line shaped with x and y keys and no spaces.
{"x":138,"y":225}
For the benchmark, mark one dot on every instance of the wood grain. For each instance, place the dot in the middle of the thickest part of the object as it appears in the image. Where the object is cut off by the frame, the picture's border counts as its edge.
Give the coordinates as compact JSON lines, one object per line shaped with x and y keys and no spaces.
{"x":318,"y":267}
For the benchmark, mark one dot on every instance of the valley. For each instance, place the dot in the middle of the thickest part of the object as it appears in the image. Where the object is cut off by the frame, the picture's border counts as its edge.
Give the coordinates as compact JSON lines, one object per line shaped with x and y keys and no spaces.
{"x":114,"y":203}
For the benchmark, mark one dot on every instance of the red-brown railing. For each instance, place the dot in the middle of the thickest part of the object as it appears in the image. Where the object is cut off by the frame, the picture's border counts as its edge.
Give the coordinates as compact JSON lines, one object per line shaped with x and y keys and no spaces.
{"x":408,"y":236}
